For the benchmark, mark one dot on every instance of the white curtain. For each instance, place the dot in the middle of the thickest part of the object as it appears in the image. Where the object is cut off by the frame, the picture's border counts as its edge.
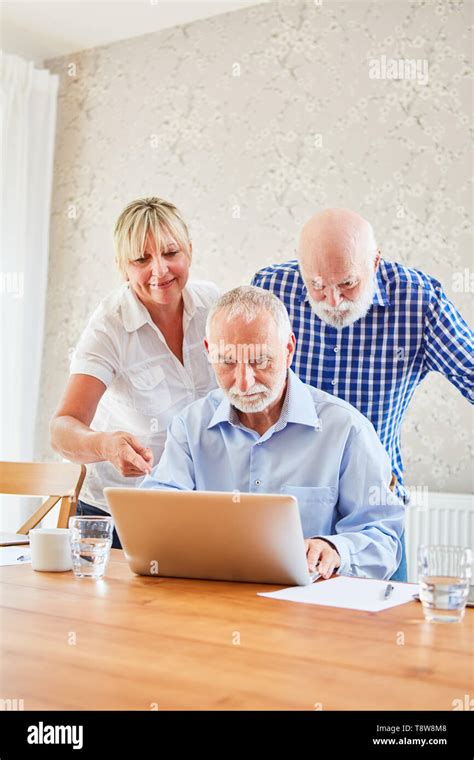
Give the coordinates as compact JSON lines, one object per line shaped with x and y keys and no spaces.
{"x":29,"y":97}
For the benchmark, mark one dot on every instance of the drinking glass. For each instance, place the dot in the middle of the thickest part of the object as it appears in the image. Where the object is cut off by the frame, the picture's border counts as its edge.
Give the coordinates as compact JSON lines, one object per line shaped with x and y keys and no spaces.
{"x":444,"y":574}
{"x":91,"y":539}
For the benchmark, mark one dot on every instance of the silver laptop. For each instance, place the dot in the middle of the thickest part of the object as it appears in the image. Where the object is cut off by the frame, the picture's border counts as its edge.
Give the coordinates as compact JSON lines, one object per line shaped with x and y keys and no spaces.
{"x":250,"y":538}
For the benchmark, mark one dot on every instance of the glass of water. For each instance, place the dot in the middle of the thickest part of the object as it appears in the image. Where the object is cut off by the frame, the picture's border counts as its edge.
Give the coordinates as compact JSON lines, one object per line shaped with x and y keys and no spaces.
{"x":91,"y":539}
{"x":444,"y":573}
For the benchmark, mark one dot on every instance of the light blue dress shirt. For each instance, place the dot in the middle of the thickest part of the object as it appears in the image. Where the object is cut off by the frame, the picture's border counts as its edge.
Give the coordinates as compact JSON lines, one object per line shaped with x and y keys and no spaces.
{"x":321,"y":450}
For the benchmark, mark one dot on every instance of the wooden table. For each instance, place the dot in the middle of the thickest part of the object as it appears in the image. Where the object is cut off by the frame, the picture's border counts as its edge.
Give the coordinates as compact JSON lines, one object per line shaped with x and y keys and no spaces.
{"x":139,"y":643}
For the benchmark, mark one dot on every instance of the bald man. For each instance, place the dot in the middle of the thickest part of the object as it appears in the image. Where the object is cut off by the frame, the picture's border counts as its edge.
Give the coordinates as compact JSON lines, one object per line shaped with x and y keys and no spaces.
{"x":368,"y":330}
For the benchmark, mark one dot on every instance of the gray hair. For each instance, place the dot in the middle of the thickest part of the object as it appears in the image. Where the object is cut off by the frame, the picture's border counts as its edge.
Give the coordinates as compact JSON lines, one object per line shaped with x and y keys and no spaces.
{"x":248,"y":301}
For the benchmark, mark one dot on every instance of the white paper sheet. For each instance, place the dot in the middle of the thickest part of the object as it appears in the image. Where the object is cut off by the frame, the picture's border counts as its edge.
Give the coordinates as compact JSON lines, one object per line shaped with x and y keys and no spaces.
{"x":10,"y":555}
{"x":350,"y":593}
{"x":13,"y":539}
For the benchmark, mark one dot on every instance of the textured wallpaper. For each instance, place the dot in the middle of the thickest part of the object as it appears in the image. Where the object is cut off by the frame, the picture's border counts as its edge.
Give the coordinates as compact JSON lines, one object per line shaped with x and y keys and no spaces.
{"x":251,"y":121}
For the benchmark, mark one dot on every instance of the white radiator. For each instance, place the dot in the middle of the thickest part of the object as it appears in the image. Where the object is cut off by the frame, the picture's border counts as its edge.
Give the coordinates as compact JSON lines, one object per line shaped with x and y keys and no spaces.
{"x":437,"y":518}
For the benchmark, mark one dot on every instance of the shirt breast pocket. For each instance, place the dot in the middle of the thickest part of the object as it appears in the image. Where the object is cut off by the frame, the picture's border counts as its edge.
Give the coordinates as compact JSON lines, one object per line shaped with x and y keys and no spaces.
{"x":150,"y":390}
{"x":317,"y":505}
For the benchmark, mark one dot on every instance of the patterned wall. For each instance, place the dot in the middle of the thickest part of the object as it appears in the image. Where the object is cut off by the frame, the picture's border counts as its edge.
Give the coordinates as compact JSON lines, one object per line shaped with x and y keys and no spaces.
{"x":252,"y":120}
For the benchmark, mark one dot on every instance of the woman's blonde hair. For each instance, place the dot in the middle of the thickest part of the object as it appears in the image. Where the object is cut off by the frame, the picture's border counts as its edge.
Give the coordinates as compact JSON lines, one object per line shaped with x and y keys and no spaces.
{"x":142,"y":216}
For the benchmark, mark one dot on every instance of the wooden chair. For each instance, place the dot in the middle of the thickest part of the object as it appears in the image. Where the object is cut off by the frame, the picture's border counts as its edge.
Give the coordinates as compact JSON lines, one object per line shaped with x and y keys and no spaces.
{"x":61,"y":480}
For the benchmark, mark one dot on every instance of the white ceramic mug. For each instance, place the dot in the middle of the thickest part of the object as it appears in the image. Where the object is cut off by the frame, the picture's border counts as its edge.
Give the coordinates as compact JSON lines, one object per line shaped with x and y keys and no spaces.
{"x":50,"y":549}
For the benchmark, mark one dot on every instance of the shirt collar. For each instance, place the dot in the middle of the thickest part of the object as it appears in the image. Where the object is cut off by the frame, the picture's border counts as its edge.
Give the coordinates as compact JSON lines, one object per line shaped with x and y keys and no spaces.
{"x":380,"y":293}
{"x":135,"y":314}
{"x":298,"y":407}
{"x":381,"y":297}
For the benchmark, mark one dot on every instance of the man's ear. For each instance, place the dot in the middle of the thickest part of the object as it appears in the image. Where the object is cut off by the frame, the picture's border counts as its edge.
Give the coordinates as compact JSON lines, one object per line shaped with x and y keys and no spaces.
{"x":377,"y":259}
{"x":290,"y":349}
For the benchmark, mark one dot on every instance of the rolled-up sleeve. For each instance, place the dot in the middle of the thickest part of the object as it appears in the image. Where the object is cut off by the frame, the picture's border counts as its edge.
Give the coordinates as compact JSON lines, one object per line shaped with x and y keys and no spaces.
{"x":97,"y":352}
{"x":175,"y":469}
{"x":370,"y":517}
{"x":449,"y":343}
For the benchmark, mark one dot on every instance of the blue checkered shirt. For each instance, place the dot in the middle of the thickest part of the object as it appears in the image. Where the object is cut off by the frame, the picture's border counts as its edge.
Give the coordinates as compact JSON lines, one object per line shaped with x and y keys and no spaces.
{"x":377,"y":362}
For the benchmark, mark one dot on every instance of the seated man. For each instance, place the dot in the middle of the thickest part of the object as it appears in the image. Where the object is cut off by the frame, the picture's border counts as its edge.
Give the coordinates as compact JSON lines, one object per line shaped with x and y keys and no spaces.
{"x":265,"y":431}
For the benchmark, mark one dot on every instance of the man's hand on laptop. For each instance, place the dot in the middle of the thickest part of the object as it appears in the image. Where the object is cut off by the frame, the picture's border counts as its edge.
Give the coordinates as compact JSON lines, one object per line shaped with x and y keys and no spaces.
{"x":127,"y":454}
{"x":320,"y":551}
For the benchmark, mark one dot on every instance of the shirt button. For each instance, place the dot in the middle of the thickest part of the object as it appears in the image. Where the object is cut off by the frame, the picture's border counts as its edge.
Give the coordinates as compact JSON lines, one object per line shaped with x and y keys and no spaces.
{"x":333,"y":382}
{"x":336,"y":349}
{"x":258,"y":482}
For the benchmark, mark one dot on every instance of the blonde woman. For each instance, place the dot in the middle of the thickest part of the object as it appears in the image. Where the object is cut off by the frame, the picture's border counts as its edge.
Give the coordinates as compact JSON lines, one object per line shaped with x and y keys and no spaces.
{"x":140,"y":359}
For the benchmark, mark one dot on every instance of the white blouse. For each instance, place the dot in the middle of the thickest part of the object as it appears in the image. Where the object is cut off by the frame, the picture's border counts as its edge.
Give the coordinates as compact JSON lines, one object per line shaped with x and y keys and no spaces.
{"x":146,"y":384}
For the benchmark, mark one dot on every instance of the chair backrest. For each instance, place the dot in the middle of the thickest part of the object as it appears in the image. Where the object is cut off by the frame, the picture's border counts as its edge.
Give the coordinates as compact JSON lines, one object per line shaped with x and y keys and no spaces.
{"x":59,"y":480}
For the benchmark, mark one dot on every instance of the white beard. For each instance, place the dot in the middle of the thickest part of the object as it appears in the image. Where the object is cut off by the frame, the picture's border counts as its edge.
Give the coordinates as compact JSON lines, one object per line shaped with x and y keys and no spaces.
{"x":248,"y":403}
{"x":347,"y":312}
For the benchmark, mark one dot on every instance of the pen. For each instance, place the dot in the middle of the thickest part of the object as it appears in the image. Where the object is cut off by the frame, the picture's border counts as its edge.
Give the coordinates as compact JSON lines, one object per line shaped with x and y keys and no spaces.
{"x":388,"y":590}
